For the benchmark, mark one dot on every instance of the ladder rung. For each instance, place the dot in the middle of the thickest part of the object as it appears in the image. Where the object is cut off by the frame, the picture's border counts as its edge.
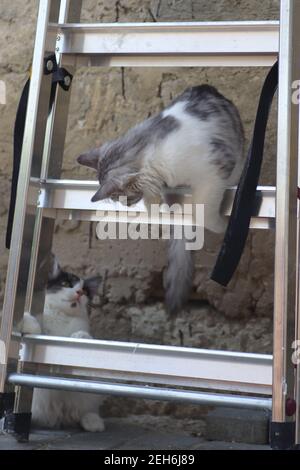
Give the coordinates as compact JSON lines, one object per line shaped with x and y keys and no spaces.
{"x":176,"y":366}
{"x":71,"y":199}
{"x":171,"y":44}
{"x":146,"y":392}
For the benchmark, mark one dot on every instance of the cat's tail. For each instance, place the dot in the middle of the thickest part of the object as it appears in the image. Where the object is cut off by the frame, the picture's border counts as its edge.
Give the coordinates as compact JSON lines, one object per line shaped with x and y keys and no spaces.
{"x":179,"y":275}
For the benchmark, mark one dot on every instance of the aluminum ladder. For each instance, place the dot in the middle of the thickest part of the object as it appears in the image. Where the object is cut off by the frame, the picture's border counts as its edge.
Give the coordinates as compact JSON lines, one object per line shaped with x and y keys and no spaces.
{"x":210,"y":377}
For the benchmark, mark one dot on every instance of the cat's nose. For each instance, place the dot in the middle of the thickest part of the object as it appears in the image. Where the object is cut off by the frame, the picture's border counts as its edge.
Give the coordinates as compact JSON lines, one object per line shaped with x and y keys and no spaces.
{"x":79,"y":293}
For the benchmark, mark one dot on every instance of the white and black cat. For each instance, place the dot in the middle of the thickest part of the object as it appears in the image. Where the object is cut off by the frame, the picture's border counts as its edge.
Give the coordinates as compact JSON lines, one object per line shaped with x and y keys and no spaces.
{"x":65,"y":314}
{"x":197,"y":141}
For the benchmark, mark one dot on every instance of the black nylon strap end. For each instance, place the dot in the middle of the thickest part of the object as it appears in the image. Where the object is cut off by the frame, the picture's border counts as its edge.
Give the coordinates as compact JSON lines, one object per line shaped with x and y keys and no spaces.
{"x":245,"y":197}
{"x":18,"y":142}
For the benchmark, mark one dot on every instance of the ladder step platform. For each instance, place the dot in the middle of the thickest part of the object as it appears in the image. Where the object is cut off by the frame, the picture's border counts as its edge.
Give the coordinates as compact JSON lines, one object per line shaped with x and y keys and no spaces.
{"x":253,"y":43}
{"x":71,"y":200}
{"x":148,"y":363}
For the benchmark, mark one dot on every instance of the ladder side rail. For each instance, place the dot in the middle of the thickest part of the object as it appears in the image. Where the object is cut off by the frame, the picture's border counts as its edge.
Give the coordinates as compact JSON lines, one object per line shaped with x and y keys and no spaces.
{"x":296,"y":354}
{"x":43,"y":228}
{"x":286,"y":217}
{"x":19,"y":257}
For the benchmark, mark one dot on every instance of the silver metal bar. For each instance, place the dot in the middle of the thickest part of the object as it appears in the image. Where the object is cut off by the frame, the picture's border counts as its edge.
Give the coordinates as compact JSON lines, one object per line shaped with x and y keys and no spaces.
{"x":286,"y":211}
{"x":72,"y":199}
{"x":172,"y":44}
{"x":134,"y":391}
{"x":23,"y":395}
{"x":218,"y":370}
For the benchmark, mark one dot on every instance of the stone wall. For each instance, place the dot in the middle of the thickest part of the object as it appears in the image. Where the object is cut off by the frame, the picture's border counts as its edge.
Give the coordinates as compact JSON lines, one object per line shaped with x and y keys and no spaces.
{"x":105,"y":103}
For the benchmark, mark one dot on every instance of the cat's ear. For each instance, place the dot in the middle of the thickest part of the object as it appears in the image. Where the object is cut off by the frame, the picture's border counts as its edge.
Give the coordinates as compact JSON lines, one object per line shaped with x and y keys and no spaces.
{"x":54,"y":268}
{"x":115,"y":186}
{"x":106,"y":190}
{"x":91,"y":286}
{"x":89,"y":159}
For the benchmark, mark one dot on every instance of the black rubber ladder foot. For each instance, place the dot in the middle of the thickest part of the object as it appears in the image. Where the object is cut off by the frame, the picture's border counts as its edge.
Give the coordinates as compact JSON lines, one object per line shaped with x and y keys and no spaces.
{"x":282,"y":435}
{"x":18,"y":424}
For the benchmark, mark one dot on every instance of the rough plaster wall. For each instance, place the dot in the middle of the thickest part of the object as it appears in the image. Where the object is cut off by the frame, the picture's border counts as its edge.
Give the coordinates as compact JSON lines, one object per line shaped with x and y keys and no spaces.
{"x":106,"y":102}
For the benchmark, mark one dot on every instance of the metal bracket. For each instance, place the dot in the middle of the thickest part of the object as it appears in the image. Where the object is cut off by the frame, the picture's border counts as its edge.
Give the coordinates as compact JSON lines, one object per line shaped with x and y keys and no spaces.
{"x":60,"y":74}
{"x":50,"y":64}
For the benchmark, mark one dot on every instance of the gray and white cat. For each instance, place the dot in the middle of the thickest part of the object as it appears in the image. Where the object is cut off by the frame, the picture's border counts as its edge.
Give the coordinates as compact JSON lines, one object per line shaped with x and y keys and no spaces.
{"x":65,"y":314}
{"x":197,"y":141}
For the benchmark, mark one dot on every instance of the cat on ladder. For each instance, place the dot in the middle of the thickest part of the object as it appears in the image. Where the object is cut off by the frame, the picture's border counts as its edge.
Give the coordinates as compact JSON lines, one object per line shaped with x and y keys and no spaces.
{"x":66,"y":313}
{"x":196,"y":141}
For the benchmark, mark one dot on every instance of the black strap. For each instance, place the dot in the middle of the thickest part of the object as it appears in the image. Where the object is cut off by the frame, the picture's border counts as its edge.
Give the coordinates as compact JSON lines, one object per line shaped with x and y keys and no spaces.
{"x":59,"y":76}
{"x":245,"y":197}
{"x":18,"y":141}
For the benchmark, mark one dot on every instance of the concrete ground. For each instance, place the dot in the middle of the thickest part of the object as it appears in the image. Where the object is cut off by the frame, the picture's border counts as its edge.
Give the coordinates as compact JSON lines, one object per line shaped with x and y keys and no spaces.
{"x":124,"y":434}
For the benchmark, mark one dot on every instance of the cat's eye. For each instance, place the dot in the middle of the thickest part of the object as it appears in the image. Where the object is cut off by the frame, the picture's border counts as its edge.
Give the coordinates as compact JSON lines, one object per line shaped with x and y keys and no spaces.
{"x":65,"y":284}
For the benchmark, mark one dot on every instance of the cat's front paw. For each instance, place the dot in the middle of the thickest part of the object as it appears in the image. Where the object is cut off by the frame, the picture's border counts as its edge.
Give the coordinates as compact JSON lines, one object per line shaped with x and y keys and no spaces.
{"x":92,"y":422}
{"x":81,"y":334}
{"x":29,"y":325}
